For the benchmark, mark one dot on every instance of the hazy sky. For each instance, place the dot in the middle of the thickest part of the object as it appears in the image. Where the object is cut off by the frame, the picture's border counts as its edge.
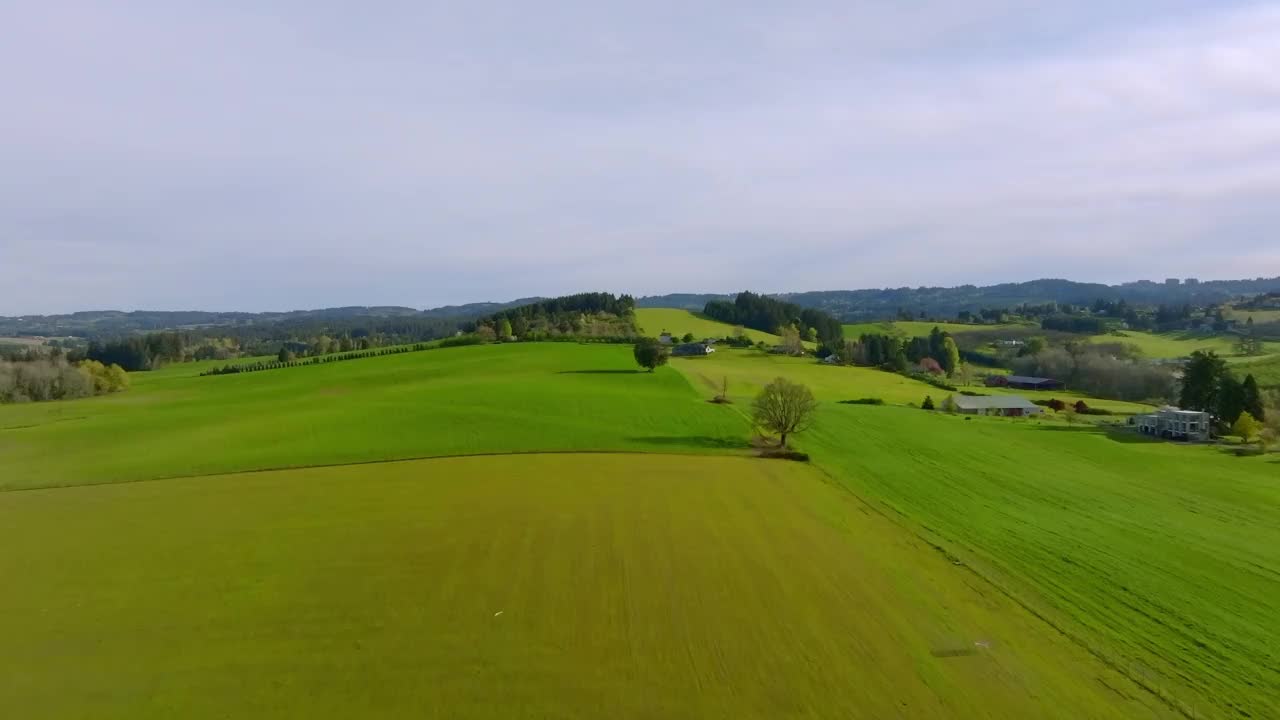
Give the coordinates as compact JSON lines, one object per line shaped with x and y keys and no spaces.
{"x":279,"y":155}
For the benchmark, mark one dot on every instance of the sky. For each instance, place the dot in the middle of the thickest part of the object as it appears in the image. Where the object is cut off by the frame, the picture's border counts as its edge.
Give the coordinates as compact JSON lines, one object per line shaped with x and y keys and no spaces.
{"x":238,"y":155}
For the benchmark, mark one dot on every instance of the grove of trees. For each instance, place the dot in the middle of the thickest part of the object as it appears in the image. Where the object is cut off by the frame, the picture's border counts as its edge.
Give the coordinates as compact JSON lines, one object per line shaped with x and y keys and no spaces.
{"x":55,"y":378}
{"x":764,"y":313}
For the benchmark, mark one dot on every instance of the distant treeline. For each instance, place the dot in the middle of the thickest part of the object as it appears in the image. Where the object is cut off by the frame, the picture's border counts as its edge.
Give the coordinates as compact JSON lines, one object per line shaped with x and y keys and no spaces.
{"x":760,"y":312}
{"x":949,"y":302}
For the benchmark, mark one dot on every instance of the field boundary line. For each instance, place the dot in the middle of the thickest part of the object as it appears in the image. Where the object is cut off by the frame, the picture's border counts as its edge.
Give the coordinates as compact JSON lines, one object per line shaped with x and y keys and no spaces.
{"x":384,"y":461}
{"x":935,"y":541}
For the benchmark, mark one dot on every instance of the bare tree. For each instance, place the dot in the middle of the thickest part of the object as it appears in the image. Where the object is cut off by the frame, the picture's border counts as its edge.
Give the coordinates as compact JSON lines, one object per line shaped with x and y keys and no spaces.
{"x":784,"y":408}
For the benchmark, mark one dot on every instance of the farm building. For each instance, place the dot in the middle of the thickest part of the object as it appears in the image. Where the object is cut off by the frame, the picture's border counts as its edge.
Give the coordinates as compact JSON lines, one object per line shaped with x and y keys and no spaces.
{"x":1175,"y":424}
{"x":1005,"y":405}
{"x":1023,"y":382}
{"x":665,"y":338}
{"x":692,"y":350}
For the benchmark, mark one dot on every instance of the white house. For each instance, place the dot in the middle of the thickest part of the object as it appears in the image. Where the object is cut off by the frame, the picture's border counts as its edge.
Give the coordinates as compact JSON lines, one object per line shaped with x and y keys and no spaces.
{"x":1176,"y":424}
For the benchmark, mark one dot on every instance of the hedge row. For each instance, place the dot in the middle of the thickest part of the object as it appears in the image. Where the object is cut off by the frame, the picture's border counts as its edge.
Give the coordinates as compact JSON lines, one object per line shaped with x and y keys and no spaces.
{"x":320,"y":359}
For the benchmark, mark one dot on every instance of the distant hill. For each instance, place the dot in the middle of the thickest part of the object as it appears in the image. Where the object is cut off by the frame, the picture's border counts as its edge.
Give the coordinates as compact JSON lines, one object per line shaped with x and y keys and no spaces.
{"x":881,"y":304}
{"x":847,"y":305}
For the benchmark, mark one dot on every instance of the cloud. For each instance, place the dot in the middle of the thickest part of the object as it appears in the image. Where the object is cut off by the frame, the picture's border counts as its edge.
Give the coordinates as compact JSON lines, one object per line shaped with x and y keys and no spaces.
{"x":238,"y":157}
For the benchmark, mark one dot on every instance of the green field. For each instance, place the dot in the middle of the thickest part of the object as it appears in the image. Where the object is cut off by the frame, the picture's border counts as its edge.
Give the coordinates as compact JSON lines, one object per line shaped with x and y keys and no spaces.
{"x":628,"y":586}
{"x":1175,"y":345}
{"x":655,"y":321}
{"x":1087,"y":565}
{"x":494,"y":398}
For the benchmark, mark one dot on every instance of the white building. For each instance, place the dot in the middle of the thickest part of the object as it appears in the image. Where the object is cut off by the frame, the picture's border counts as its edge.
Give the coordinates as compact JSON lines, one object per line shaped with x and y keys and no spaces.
{"x":1175,"y":424}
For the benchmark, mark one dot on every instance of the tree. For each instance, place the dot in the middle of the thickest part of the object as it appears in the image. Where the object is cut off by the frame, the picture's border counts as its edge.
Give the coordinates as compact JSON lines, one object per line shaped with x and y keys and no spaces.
{"x":486,"y":333}
{"x":931,"y":366}
{"x":284,"y":355}
{"x":649,"y":354}
{"x":791,"y":339}
{"x":1246,"y":426}
{"x":1034,"y":346}
{"x":1230,"y":399}
{"x":504,"y":329}
{"x":950,"y":355}
{"x":1201,"y":380}
{"x":928,"y":403}
{"x":1080,"y":407}
{"x":1070,"y":414}
{"x":784,"y":408}
{"x":688,"y":337}
{"x":1056,"y":405}
{"x":949,"y":404}
{"x":811,"y":334}
{"x":1253,"y":398}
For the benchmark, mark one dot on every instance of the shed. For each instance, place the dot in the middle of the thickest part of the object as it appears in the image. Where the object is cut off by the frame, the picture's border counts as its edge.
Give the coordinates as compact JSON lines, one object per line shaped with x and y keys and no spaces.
{"x":1025,"y":382}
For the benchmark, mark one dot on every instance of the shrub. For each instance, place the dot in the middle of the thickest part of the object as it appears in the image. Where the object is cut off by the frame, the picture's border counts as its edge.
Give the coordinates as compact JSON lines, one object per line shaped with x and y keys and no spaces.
{"x":863,"y":401}
{"x":971,"y":393}
{"x":927,"y":404}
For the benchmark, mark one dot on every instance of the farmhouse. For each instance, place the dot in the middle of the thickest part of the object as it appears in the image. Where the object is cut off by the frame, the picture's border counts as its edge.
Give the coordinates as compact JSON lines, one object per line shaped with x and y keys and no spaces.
{"x":692,"y":349}
{"x":1023,"y":382}
{"x":1175,"y":424}
{"x":1006,"y":405}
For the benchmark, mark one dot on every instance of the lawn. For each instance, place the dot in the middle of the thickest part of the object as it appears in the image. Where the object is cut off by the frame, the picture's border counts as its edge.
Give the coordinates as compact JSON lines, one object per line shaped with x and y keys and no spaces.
{"x":575,"y":586}
{"x":467,"y":400}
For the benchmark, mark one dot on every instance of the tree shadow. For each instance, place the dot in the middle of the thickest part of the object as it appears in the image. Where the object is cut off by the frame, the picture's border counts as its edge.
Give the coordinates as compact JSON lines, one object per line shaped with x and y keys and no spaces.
{"x":698,"y":441}
{"x":1120,"y":434}
{"x":600,"y":372}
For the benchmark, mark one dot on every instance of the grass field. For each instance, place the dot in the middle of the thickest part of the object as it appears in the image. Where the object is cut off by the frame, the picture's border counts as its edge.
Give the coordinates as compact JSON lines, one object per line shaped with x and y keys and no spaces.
{"x":1174,"y":345}
{"x":539,"y":586}
{"x":495,"y":398}
{"x":655,"y":321}
{"x":637,"y":586}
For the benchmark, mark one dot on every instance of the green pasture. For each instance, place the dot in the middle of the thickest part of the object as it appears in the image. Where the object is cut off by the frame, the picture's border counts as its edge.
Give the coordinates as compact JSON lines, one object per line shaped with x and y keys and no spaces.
{"x":655,"y":321}
{"x":466,"y":400}
{"x":1176,"y":344}
{"x":575,"y":586}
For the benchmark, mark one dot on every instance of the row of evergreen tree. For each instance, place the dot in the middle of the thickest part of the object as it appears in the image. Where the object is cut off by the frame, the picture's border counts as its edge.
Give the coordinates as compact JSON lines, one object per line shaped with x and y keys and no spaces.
{"x":286,"y":359}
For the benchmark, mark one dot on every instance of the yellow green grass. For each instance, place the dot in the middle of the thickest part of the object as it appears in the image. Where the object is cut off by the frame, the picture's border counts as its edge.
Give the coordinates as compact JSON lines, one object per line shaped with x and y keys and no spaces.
{"x":579,"y":586}
{"x":655,"y":321}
